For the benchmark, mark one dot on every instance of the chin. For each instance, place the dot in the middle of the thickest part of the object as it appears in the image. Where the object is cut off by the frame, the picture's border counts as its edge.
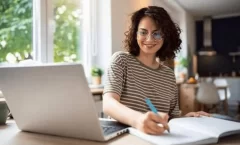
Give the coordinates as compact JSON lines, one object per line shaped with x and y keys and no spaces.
{"x":149,"y":51}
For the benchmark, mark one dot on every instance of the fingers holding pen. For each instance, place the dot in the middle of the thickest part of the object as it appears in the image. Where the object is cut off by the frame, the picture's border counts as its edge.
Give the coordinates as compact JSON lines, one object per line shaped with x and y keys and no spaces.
{"x":154,"y":128}
{"x":164,"y":116}
{"x":148,"y":123}
{"x":155,"y":119}
{"x":161,"y":118}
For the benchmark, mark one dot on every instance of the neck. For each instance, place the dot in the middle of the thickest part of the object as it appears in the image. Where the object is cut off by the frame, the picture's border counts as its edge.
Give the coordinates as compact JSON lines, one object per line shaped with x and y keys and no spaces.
{"x":148,"y":60}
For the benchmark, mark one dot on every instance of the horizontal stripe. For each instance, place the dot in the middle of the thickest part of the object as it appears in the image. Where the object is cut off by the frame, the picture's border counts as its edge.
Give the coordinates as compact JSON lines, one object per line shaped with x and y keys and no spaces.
{"x":134,"y":82}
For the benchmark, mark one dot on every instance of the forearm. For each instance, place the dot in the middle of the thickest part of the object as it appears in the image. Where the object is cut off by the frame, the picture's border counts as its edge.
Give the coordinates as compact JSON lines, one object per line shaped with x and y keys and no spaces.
{"x":118,"y":111}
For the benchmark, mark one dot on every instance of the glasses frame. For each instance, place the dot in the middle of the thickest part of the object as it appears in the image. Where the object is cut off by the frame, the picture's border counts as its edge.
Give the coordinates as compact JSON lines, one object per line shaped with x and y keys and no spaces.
{"x":142,"y":37}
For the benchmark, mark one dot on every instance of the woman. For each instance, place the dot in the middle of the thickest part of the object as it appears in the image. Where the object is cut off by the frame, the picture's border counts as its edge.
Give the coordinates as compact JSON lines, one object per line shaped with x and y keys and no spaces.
{"x":136,"y":74}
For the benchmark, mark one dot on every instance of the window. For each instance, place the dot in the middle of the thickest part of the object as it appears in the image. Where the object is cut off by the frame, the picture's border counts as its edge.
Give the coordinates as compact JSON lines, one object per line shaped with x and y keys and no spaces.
{"x":15,"y":30}
{"x":47,"y":30}
{"x":68,"y":21}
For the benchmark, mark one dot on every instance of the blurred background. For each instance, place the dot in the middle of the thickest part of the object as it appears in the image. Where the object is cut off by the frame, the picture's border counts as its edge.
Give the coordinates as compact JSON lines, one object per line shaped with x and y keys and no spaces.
{"x":90,"y":31}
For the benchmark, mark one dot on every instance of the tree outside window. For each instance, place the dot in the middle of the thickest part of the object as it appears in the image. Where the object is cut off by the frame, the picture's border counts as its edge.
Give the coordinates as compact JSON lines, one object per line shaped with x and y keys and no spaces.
{"x":68,"y":21}
{"x":16,"y":30}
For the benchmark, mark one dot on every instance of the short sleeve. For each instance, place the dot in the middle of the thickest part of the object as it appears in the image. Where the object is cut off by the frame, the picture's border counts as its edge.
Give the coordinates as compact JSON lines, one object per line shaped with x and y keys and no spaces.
{"x":115,"y":74}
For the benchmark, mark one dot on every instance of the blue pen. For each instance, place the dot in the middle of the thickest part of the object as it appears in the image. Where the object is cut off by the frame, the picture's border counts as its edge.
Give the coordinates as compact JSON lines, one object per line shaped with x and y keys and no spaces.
{"x":153,"y":109}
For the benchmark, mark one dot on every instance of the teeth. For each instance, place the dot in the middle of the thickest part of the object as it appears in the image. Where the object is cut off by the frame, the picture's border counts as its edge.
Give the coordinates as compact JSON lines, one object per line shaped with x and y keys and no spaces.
{"x":149,"y":46}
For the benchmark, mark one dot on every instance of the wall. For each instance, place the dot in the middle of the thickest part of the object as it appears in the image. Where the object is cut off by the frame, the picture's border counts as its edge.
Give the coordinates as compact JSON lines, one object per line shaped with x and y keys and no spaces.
{"x":121,"y":12}
{"x":191,"y":41}
{"x":113,"y":21}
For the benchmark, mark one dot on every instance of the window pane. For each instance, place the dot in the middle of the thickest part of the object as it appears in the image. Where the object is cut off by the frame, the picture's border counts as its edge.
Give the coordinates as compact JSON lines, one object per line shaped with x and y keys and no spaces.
{"x":15,"y":30}
{"x":68,"y":24}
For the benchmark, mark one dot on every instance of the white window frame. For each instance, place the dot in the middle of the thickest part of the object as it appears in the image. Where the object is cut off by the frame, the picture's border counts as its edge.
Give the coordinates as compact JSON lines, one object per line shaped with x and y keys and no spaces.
{"x":42,"y":37}
{"x":43,"y":26}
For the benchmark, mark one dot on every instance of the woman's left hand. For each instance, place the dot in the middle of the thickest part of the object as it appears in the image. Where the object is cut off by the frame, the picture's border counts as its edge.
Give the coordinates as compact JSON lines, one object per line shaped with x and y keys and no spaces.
{"x":197,"y":114}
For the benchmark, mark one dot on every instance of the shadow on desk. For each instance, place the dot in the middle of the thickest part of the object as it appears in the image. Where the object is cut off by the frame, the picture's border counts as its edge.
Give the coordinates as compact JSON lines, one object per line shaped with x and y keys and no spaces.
{"x":11,"y":135}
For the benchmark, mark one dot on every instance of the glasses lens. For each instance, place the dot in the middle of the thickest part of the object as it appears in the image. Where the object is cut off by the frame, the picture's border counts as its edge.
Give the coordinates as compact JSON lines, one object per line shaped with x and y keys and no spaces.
{"x":157,"y":35}
{"x":144,"y":35}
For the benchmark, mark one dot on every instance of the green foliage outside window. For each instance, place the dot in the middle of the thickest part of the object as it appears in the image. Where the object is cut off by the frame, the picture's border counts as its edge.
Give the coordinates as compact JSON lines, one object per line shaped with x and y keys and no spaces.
{"x":66,"y":37}
{"x":16,"y":30}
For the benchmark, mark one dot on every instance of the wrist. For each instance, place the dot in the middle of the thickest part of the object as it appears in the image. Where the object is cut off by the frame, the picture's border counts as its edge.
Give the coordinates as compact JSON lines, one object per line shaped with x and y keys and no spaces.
{"x":135,"y":119}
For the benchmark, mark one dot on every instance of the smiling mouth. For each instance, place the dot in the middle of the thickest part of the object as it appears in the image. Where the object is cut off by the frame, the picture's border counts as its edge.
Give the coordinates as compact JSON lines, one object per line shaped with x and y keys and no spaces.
{"x":149,"y":45}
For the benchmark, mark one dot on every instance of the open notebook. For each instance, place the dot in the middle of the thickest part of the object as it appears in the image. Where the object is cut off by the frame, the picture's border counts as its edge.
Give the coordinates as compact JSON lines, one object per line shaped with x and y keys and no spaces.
{"x":192,"y":130}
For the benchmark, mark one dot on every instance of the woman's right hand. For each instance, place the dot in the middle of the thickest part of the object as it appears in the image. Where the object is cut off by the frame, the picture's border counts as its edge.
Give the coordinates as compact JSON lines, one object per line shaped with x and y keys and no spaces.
{"x":148,"y":123}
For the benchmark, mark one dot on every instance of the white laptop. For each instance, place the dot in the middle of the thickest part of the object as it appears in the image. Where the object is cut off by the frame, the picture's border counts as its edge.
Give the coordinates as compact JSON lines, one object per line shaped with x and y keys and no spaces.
{"x":54,"y":99}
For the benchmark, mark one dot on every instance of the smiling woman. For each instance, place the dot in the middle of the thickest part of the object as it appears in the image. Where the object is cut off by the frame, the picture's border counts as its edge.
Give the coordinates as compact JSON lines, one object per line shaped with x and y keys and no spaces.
{"x":136,"y":75}
{"x":159,"y":22}
{"x":147,"y":30}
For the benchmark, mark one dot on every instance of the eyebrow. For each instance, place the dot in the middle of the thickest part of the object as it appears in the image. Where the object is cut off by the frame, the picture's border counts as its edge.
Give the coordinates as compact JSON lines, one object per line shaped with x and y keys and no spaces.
{"x":147,"y":30}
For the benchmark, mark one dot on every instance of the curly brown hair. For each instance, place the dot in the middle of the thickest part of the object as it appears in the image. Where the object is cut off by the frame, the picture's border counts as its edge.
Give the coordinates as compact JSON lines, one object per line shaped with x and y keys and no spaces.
{"x":171,"y":32}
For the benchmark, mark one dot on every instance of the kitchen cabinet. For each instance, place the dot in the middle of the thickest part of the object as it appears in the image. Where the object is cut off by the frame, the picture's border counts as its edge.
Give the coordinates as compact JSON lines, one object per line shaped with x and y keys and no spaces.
{"x":187,"y":98}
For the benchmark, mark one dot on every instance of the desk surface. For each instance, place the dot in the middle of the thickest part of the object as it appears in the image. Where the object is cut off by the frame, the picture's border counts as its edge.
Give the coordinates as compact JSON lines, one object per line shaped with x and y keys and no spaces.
{"x":11,"y":135}
{"x":197,"y":85}
{"x":97,"y":91}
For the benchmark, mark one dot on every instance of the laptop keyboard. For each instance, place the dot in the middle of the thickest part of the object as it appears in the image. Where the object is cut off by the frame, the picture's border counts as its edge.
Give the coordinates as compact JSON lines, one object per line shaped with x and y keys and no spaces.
{"x":110,"y":129}
{"x":111,"y":126}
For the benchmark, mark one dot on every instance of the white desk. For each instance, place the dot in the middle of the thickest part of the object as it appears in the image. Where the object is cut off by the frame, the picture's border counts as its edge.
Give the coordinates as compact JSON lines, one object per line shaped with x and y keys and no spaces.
{"x":11,"y":135}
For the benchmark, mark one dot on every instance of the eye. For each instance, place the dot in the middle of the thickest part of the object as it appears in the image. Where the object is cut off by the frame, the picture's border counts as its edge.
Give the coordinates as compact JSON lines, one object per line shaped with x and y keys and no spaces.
{"x":142,"y":33}
{"x":157,"y":35}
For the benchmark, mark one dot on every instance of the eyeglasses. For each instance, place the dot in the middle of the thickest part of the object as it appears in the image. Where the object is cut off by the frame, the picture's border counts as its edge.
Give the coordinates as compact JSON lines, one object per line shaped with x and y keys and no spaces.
{"x":143,"y":35}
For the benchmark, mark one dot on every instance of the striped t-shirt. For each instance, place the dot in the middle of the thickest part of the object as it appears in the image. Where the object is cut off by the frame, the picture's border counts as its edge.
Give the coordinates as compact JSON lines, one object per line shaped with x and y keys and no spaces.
{"x":133,"y":82}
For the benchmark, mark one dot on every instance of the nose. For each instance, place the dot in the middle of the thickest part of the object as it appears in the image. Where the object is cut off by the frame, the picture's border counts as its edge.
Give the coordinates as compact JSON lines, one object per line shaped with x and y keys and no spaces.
{"x":149,"y":37}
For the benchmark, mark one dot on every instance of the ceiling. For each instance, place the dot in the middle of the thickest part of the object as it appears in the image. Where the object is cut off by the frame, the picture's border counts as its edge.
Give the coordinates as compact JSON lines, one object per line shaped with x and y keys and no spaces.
{"x":200,"y":8}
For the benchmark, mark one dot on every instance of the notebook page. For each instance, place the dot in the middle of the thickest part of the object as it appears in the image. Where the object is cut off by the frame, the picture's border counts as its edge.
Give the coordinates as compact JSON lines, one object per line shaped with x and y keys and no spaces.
{"x":177,"y":136}
{"x":208,"y":125}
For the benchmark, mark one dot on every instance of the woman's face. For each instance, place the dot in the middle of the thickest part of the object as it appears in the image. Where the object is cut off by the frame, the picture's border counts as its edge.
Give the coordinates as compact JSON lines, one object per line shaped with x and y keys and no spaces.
{"x":149,"y":38}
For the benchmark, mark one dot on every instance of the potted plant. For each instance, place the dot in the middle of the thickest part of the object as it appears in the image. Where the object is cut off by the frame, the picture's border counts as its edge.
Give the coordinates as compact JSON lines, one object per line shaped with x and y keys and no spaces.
{"x":96,"y":75}
{"x":181,"y":68}
{"x":184,"y":62}
{"x":184,"y":65}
